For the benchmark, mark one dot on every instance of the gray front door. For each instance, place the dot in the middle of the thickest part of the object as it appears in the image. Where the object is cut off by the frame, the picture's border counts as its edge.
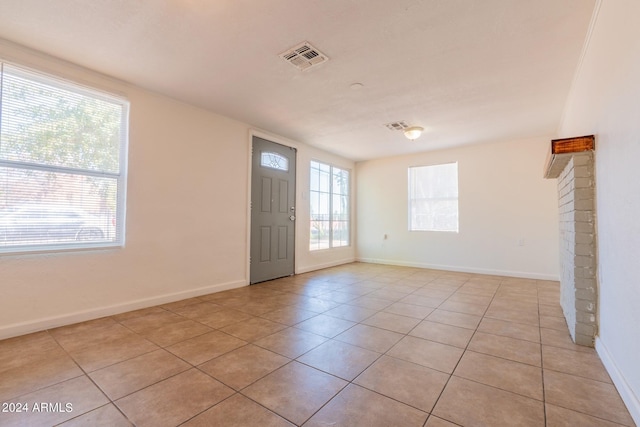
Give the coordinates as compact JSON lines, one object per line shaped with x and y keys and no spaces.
{"x":273,"y":187}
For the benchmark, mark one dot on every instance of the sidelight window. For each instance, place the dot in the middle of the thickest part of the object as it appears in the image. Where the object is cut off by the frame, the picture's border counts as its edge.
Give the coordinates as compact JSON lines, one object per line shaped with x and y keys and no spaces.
{"x":329,"y":207}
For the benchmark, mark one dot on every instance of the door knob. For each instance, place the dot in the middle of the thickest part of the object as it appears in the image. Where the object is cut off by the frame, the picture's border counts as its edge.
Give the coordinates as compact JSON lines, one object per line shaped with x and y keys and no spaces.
{"x":292,"y":217}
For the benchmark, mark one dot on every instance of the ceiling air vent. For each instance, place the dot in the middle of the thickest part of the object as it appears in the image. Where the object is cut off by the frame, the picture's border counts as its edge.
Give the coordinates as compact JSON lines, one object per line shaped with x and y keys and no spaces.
{"x":304,"y":56}
{"x":401,"y":125}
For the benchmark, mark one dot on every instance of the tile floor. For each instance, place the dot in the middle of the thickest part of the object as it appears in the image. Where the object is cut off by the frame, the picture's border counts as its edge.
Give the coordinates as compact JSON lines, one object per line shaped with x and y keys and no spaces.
{"x":356,"y":345}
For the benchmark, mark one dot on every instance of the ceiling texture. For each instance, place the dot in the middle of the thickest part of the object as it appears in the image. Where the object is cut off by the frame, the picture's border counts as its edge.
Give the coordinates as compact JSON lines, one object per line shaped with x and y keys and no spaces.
{"x":468,"y":71}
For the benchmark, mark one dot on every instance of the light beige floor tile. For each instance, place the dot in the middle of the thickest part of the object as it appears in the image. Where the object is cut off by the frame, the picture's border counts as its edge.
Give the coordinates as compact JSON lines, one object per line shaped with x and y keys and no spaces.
{"x":205,"y":347}
{"x":174,"y":400}
{"x":501,"y":373}
{"x":175,"y":332}
{"x":550,"y":310}
{"x":562,"y":339}
{"x":291,"y":342}
{"x":468,"y":403}
{"x":25,"y":349}
{"x":406,"y":286}
{"x":476,"y":290}
{"x":463,"y":307}
{"x":253,"y":329}
{"x":258,"y":308}
{"x":237,"y":411}
{"x":582,"y":364}
{"x":561,"y":417}
{"x":371,"y":302}
{"x":470,"y":299}
{"x":369,"y":337}
{"x":549,"y":299}
{"x":587,"y":396}
{"x":496,"y":382}
{"x":134,"y":374}
{"x":352,"y":313}
{"x":295,"y":391}
{"x":316,"y":305}
{"x":551,"y":322}
{"x":151,"y":321}
{"x":431,"y":291}
{"x":79,"y":393}
{"x":431,"y":354}
{"x":339,"y":296}
{"x":198,"y":310}
{"x":356,"y":406}
{"x":511,"y":314}
{"x":104,"y":416}
{"x":445,"y":334}
{"x":137,"y":313}
{"x":340,"y":359}
{"x":87,"y":337}
{"x":392,"y":322}
{"x":104,"y":354}
{"x":460,"y":320}
{"x":243,"y":366}
{"x":504,"y":328}
{"x":87,"y":328}
{"x":409,"y":310}
{"x":182,"y":303}
{"x":406,"y":382}
{"x":434,"y":421}
{"x":324,"y":325}
{"x":24,"y":375}
{"x":507,"y":348}
{"x":224,"y":317}
{"x":390,"y":294}
{"x":289,"y":315}
{"x":423,"y":301}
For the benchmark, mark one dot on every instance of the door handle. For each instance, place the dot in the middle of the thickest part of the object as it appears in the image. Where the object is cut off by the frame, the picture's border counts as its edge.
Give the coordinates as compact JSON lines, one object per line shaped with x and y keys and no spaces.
{"x":292,"y":217}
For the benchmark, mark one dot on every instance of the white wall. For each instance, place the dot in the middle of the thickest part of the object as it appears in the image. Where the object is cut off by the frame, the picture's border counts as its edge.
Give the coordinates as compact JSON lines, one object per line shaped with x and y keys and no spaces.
{"x":502,"y":198}
{"x":605,"y":101}
{"x":187,"y":217}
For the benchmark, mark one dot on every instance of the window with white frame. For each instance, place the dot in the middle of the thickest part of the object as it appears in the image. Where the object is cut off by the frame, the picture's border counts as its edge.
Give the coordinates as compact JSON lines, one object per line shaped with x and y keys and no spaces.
{"x":62,"y":163}
{"x":433,"y":198}
{"x":329,"y":206}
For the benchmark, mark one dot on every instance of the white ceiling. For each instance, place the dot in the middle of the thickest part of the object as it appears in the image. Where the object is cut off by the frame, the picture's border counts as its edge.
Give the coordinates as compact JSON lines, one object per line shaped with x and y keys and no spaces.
{"x":468,"y":71}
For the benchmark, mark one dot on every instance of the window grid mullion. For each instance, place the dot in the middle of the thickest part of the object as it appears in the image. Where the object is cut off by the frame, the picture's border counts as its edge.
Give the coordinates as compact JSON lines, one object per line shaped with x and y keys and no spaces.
{"x":331,"y":206}
{"x":60,"y":169}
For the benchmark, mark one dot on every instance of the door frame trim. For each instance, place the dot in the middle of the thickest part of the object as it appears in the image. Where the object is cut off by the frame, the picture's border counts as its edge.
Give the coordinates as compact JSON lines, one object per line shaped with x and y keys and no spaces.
{"x":287,"y":143}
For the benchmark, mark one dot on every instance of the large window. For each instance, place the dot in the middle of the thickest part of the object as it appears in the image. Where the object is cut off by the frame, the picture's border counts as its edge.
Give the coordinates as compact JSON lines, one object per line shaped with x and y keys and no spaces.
{"x":329,"y":203}
{"x":62,"y":164}
{"x":433,"y":198}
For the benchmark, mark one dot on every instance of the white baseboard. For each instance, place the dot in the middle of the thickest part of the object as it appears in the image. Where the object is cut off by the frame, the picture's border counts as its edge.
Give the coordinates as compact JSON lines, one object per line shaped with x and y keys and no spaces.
{"x":520,"y":274}
{"x":16,"y":329}
{"x":626,"y":392}
{"x":315,"y":267}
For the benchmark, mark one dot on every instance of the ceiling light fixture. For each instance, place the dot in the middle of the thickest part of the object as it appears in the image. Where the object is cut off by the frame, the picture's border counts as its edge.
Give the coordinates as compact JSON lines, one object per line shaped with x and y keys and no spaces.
{"x":413,"y":132}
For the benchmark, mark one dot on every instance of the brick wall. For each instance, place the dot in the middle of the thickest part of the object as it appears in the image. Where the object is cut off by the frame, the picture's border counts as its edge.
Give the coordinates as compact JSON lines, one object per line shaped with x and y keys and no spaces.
{"x":578,"y":286}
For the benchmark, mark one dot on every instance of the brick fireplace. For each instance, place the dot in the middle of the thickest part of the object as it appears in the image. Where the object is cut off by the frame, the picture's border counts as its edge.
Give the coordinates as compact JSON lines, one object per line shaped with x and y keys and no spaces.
{"x":571,"y":162}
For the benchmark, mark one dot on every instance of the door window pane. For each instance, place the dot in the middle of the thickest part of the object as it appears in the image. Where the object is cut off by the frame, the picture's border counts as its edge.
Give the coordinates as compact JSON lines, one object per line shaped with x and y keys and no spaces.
{"x":274,"y":161}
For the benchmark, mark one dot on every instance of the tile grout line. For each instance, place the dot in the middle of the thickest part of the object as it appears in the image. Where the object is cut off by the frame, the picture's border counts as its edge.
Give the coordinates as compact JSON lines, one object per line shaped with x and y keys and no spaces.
{"x":435,"y":404}
{"x":86,"y":374}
